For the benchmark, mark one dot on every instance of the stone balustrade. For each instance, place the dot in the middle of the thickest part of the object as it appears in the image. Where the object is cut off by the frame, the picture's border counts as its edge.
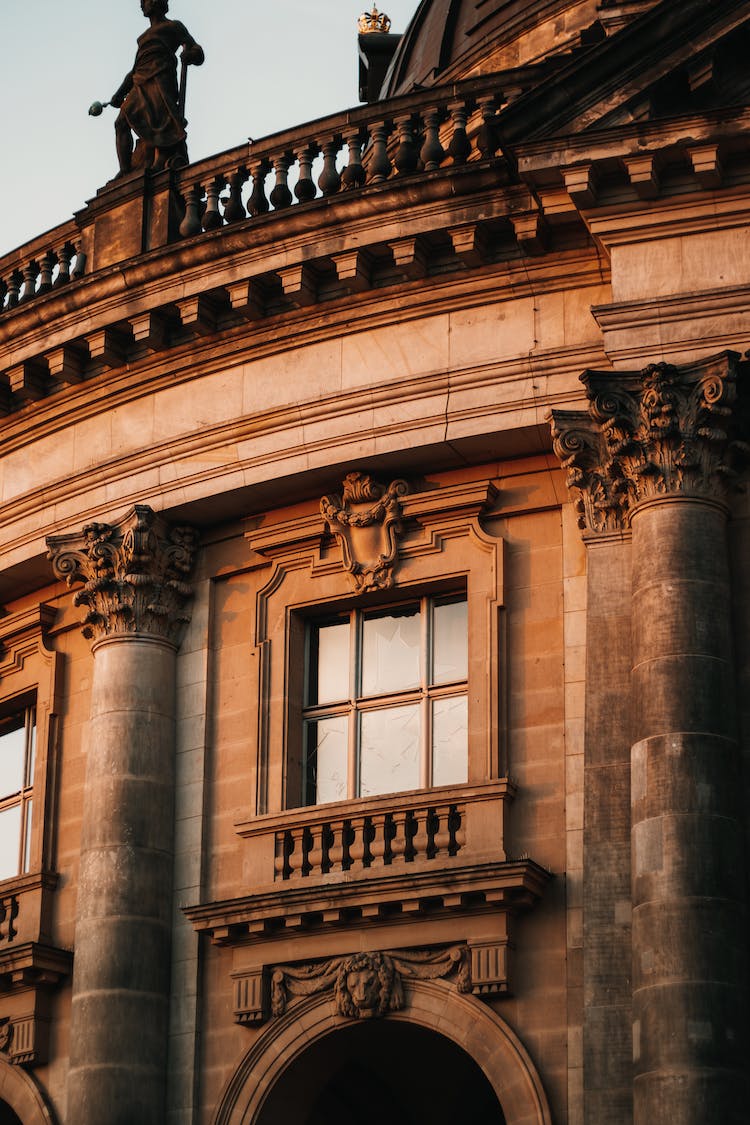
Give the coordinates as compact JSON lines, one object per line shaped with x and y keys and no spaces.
{"x":416,"y":133}
{"x":382,"y":838}
{"x":377,"y":836}
{"x":46,"y":263}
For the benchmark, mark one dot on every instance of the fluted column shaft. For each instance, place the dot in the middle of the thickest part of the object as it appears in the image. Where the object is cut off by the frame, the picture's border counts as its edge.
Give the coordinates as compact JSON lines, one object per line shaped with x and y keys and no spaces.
{"x":687,"y":840}
{"x":133,"y":577}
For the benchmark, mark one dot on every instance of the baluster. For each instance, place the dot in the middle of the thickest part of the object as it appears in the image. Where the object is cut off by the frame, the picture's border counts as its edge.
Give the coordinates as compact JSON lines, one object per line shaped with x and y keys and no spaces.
{"x":459,"y":149}
{"x":433,"y":153}
{"x":30,"y":274}
{"x":305,"y":189}
{"x":487,"y":136}
{"x":329,"y":181}
{"x":212,"y":219}
{"x":15,"y":281}
{"x":191,"y":224}
{"x":358,"y":845}
{"x":353,"y":175}
{"x":47,"y":268}
{"x":421,"y":838}
{"x":398,"y":838}
{"x":380,"y":166}
{"x":234,"y":208}
{"x":295,"y":857}
{"x":280,"y":865}
{"x":257,"y":204}
{"x":315,"y":851}
{"x":3,"y":294}
{"x":336,"y":846}
{"x":442,"y":835}
{"x":64,"y":258}
{"x":406,"y":155}
{"x":306,"y":848}
{"x":379,"y":840}
{"x":458,"y":828}
{"x":80,"y":267}
{"x":281,"y":196}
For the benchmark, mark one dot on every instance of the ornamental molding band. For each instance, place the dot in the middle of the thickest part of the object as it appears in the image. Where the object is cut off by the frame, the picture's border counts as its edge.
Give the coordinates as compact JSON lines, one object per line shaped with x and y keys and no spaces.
{"x":367,"y":521}
{"x":368,"y":985}
{"x":664,"y":431}
{"x":134,"y":574}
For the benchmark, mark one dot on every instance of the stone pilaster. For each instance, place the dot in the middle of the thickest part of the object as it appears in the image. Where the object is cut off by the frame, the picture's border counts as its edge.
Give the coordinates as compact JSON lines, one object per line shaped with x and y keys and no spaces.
{"x":653,"y":454}
{"x":135,"y":590}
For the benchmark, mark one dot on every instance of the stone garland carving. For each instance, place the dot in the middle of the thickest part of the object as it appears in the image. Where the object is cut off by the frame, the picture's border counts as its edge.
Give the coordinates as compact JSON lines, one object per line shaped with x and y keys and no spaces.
{"x":366,"y":519}
{"x":367,"y":985}
{"x":664,"y":431}
{"x":6,"y":1037}
{"x":133,"y":573}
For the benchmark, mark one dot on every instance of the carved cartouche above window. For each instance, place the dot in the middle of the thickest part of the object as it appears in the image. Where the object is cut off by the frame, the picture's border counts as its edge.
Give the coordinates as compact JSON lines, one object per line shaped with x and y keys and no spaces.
{"x":366,"y":520}
{"x":663,"y":431}
{"x":133,"y":573}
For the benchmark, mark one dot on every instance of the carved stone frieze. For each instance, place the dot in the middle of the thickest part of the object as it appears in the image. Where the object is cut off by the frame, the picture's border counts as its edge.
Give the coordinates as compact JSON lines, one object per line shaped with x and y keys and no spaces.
{"x":366,"y":520}
{"x":664,"y":431}
{"x":134,"y":574}
{"x":367,"y":985}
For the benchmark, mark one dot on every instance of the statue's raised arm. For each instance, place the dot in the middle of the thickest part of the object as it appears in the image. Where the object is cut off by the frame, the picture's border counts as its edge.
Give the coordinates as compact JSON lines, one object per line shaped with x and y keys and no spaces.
{"x":150,"y":99}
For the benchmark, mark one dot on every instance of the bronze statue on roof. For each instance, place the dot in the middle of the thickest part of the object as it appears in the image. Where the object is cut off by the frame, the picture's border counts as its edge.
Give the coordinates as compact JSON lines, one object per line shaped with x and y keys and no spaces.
{"x":150,"y":99}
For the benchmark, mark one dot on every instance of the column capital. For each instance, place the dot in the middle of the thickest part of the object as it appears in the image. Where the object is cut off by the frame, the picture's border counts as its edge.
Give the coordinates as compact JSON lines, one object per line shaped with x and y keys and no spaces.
{"x":665,"y":431}
{"x":134,"y":574}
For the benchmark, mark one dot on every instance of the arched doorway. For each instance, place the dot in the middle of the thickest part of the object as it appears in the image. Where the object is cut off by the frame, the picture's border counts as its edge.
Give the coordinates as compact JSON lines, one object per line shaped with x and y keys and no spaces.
{"x":7,"y":1116}
{"x":382,"y":1070}
{"x":463,"y":1031}
{"x":21,"y":1100}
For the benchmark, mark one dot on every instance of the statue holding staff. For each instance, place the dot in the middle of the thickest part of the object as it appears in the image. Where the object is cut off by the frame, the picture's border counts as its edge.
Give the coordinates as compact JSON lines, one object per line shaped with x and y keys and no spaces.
{"x":150,"y":99}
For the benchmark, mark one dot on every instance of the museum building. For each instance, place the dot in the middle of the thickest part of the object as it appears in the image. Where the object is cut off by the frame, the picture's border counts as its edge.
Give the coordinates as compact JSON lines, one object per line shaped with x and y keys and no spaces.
{"x":375,"y":599}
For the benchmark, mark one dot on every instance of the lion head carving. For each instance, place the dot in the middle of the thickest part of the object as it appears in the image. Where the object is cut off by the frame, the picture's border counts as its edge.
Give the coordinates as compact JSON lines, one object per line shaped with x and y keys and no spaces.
{"x":368,"y":985}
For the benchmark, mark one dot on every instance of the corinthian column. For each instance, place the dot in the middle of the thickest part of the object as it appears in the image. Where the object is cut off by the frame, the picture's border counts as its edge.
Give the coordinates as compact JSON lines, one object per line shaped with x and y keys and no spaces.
{"x":134,"y":589}
{"x":654,"y":453}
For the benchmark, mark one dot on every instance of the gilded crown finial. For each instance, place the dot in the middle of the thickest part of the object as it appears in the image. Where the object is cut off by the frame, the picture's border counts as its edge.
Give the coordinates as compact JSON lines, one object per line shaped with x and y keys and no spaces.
{"x":370,"y":22}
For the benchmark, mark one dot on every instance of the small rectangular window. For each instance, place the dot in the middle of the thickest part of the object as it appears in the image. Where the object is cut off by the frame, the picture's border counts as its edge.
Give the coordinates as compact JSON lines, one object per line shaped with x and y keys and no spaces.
{"x":17,"y":750}
{"x":386,"y":703}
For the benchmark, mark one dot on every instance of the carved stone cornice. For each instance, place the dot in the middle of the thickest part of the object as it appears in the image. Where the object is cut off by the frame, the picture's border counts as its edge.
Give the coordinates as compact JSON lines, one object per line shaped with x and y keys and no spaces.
{"x":366,"y":519}
{"x":663,"y":431}
{"x":134,"y":574}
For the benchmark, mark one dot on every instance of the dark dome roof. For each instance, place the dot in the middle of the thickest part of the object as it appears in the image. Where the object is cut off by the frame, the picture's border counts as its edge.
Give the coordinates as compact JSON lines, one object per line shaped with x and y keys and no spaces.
{"x":448,"y":37}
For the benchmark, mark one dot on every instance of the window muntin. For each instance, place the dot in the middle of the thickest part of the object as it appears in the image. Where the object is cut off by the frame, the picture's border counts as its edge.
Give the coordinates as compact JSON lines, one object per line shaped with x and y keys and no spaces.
{"x":17,"y":758}
{"x":386,"y":701}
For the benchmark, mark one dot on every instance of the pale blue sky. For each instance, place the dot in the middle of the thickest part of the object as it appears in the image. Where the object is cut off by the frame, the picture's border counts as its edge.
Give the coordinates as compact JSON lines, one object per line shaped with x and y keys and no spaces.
{"x":269,"y":64}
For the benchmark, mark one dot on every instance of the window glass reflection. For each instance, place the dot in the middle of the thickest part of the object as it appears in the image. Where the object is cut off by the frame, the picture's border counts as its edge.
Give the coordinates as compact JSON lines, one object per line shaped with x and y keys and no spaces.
{"x":450,"y":740}
{"x":391,"y":651}
{"x":12,"y":755}
{"x":389,"y":750}
{"x":327,"y":754}
{"x":330,"y":679}
{"x":10,"y":835}
{"x":450,"y":660}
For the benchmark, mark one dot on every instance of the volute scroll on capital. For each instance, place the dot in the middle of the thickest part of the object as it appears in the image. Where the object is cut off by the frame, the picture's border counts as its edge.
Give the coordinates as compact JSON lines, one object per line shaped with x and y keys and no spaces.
{"x":664,"y":431}
{"x":134,"y":574}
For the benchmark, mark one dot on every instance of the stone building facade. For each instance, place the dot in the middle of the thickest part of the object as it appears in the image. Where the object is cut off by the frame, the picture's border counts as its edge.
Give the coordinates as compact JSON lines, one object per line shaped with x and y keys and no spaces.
{"x":374,"y":663}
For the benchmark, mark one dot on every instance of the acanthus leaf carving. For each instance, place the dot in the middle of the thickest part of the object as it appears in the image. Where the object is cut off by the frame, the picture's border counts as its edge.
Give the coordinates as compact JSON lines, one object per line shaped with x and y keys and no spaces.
{"x":366,"y":520}
{"x":368,"y":985}
{"x":664,"y":431}
{"x":134,"y":574}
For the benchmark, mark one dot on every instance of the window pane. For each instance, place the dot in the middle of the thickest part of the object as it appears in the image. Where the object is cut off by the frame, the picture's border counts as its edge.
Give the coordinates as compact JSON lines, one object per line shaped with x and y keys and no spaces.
{"x":32,"y":752}
{"x":391,"y":651}
{"x":10,"y":836}
{"x":330,"y":679}
{"x":450,"y":742}
{"x":390,"y":739}
{"x":327,"y":754}
{"x":450,"y":650}
{"x":12,"y":755}
{"x":27,"y":836}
